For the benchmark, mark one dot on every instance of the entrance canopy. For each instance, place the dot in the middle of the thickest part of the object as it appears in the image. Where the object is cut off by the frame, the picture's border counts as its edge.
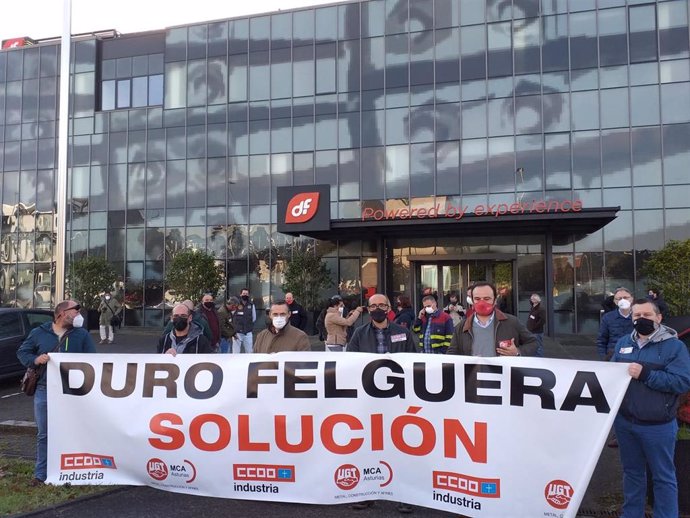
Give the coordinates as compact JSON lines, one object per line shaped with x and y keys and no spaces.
{"x":563,"y":226}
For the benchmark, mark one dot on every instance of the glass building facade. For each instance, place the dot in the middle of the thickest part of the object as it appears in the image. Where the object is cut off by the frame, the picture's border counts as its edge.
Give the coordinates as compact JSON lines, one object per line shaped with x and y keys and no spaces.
{"x":180,"y":138}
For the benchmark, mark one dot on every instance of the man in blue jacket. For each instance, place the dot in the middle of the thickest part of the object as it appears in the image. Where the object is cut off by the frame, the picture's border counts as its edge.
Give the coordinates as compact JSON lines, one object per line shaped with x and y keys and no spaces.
{"x":64,"y":334}
{"x":434,"y":327}
{"x":646,"y":424}
{"x":615,"y":324}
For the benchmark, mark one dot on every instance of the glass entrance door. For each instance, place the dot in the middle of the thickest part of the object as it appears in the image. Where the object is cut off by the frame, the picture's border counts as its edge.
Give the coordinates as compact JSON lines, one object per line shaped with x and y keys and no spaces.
{"x":445,"y":277}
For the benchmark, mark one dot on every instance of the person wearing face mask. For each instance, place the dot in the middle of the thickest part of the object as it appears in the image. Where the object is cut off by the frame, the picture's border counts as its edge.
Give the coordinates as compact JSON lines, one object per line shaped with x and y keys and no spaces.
{"x":646,"y":426}
{"x":337,"y":324}
{"x":207,"y":311}
{"x":381,"y":336}
{"x":64,"y":334}
{"x":615,"y":324}
{"x":405,"y":316}
{"x":244,"y":319}
{"x":655,"y":295}
{"x":197,"y":319}
{"x":279,"y":335}
{"x":454,"y":309}
{"x":186,"y":336}
{"x":433,"y":327}
{"x":536,"y":321}
{"x":469,"y":302}
{"x":490,"y":332}
{"x":108,"y":309}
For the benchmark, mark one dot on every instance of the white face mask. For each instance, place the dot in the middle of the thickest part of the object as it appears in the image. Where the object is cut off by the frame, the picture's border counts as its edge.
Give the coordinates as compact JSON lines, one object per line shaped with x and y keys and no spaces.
{"x":624,"y":304}
{"x":78,"y":321}
{"x":469,"y":300}
{"x":107,"y":297}
{"x":279,"y":322}
{"x":341,"y":309}
{"x":429,"y":310}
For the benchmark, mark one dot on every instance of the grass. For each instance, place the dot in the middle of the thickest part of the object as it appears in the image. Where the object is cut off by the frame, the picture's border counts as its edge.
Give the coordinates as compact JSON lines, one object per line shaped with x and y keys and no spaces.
{"x":17,"y":496}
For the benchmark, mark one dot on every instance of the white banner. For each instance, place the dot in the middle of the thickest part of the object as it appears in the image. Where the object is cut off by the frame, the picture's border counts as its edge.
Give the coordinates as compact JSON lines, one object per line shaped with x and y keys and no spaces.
{"x":478,"y":436}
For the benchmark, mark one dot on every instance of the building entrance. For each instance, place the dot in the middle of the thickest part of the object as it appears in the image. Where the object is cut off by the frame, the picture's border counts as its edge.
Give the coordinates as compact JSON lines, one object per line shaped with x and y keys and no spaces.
{"x":442,"y":278}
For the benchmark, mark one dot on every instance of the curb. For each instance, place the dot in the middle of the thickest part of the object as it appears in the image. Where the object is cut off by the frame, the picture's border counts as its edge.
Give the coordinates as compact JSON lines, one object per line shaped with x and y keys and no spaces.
{"x":22,"y":427}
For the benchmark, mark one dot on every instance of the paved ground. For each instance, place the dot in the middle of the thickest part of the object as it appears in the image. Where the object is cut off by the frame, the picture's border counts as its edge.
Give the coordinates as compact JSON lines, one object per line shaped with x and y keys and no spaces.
{"x":602,"y":498}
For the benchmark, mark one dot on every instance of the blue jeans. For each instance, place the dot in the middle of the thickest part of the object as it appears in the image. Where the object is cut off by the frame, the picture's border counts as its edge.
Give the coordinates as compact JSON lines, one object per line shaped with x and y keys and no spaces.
{"x":224,"y":346}
{"x":540,"y":345}
{"x":247,"y":341}
{"x":41,"y":417}
{"x":651,"y":445}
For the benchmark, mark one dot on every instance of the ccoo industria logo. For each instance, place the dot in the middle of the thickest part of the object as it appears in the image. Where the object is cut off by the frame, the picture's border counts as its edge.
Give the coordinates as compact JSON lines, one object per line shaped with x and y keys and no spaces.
{"x":302,"y":207}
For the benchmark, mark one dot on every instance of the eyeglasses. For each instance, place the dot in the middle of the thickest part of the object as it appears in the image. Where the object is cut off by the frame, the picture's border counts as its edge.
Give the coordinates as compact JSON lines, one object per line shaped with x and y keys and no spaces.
{"x":77,"y":307}
{"x":372,"y":307}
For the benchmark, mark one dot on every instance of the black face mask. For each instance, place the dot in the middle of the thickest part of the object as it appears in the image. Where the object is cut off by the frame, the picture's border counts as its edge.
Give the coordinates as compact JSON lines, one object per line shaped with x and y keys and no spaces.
{"x":644,"y":326}
{"x":208,"y":305}
{"x":245,"y":297}
{"x":378,"y":315}
{"x":180,"y":323}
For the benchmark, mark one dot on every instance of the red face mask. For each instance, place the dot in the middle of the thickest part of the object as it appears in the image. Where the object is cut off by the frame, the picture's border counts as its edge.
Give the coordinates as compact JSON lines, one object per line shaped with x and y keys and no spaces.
{"x":483,"y":308}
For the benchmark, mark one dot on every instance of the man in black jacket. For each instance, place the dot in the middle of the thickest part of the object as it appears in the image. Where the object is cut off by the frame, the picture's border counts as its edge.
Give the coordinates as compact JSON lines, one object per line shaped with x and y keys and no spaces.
{"x":298,"y":315}
{"x":381,"y":336}
{"x":536,"y":321}
{"x":186,"y":336}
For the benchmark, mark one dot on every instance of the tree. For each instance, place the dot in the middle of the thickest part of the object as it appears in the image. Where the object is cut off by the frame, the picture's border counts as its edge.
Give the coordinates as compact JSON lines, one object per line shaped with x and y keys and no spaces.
{"x":305,"y":275}
{"x":91,"y":276}
{"x":668,"y":269}
{"x":191,"y":273}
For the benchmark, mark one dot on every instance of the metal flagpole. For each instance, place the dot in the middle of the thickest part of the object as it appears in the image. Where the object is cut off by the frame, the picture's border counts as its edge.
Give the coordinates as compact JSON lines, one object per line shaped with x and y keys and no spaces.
{"x":63,"y":130}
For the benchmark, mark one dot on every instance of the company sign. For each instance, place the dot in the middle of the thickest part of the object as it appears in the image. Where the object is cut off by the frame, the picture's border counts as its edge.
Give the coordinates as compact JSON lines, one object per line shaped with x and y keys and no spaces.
{"x":304,"y":209}
{"x":13,"y":43}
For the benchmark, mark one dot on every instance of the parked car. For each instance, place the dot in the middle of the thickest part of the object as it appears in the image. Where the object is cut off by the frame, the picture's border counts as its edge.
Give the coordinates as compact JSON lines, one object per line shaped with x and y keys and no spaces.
{"x":15,"y":326}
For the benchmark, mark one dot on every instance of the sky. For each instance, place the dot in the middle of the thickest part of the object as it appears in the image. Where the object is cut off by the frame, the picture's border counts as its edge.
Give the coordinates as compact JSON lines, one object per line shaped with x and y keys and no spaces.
{"x":19,"y":18}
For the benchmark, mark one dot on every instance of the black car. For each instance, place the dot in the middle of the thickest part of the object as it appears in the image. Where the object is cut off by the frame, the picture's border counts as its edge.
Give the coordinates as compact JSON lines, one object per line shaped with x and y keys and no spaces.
{"x":15,"y":326}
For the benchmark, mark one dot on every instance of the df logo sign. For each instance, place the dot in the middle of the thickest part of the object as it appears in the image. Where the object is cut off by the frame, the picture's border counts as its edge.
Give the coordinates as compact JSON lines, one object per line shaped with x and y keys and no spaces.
{"x":302,"y":207}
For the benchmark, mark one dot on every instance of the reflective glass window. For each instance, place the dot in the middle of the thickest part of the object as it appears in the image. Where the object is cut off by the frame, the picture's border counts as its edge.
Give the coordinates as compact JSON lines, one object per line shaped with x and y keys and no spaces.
{"x":529,"y":163}
{"x":259,"y":33}
{"x":613,"y":40}
{"x":644,"y":105}
{"x":175,"y":85}
{"x":615,"y":157}
{"x":325,"y":68}
{"x":259,"y":76}
{"x":348,"y":174}
{"x":108,"y":95}
{"x":373,"y":167}
{"x":303,"y":71}
{"x":348,"y":21}
{"x":373,"y":18}
{"x":676,"y":146}
{"x":397,"y":172}
{"x":446,"y":13}
{"x":557,"y":155}
{"x":473,"y":166}
{"x":422,"y":166}
{"x":472,"y":11}
{"x":586,"y":159}
{"x":556,"y":112}
{"x":447,"y":168}
{"x":673,"y":29}
{"x":238,"y":34}
{"x":643,"y":35}
{"x":614,"y":108}
{"x":326,"y":23}
{"x":555,"y":45}
{"x":473,"y":52}
{"x":499,"y":49}
{"x":526,"y":44}
{"x":501,"y":165}
{"x":447,"y":65}
{"x":675,"y":103}
{"x":303,"y":133}
{"x":583,"y":40}
{"x":474,"y":119}
{"x":281,"y":73}
{"x":303,"y":27}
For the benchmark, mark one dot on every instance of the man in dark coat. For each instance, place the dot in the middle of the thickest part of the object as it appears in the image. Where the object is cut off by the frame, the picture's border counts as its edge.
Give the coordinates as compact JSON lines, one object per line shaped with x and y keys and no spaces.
{"x":298,"y":315}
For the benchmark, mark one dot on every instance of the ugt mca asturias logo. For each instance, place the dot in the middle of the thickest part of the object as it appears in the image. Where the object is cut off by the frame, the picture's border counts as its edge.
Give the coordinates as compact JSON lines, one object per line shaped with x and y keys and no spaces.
{"x":302,"y":207}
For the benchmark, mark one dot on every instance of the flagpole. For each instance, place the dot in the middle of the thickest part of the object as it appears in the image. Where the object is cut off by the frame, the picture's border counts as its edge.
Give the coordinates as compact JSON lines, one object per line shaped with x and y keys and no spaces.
{"x":63,"y":133}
